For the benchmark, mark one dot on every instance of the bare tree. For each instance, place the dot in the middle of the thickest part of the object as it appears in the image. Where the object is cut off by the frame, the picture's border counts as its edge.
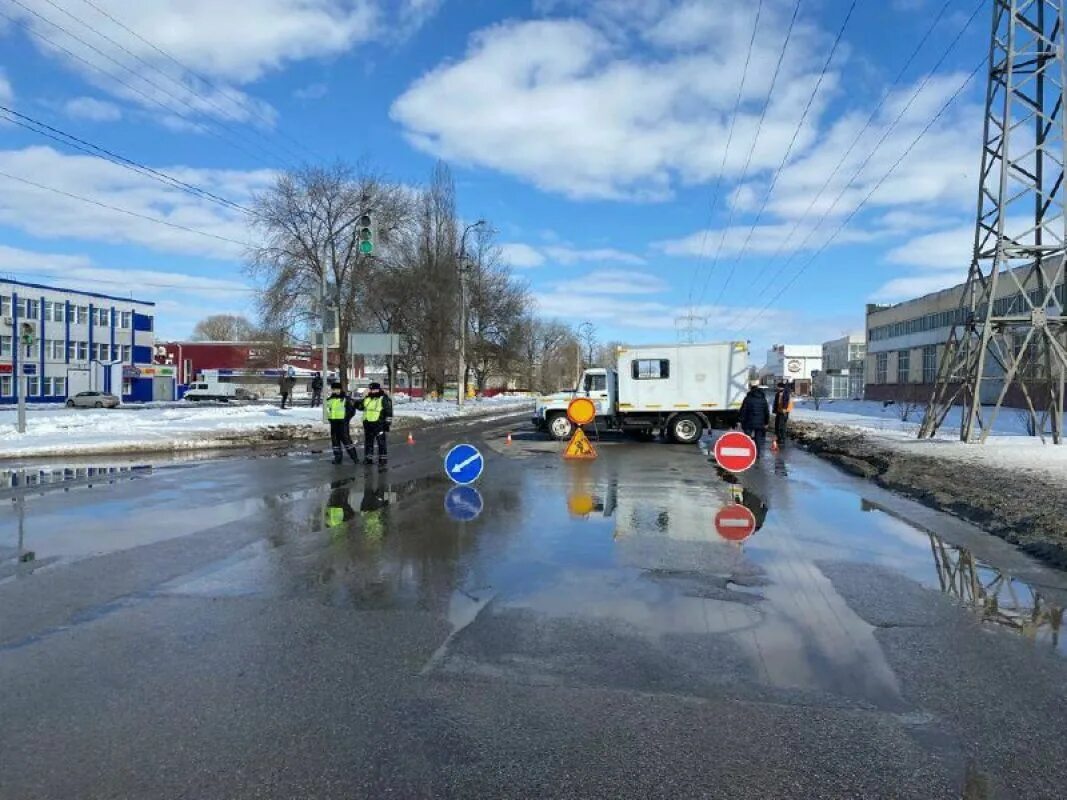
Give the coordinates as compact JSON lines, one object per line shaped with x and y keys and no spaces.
{"x":224,"y":328}
{"x":308,"y":234}
{"x":587,"y":336}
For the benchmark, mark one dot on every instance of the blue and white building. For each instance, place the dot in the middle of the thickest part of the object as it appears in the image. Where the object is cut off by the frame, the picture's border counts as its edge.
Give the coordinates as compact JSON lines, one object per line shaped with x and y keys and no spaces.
{"x":83,"y":341}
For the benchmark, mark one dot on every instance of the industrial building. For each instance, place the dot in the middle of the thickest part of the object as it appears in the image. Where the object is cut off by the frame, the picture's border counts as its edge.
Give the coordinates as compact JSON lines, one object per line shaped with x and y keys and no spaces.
{"x":905,"y":342}
{"x":78,"y":341}
{"x":844,"y":362}
{"x":794,"y":364}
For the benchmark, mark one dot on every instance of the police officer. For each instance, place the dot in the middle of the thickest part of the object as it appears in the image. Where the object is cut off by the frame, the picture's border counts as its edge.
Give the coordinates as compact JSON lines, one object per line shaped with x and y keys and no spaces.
{"x":377,"y":408}
{"x":339,"y":410}
{"x":755,"y":416}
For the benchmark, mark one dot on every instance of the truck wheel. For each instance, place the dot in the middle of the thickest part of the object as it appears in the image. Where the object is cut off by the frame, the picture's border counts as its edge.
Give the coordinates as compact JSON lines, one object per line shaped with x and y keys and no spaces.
{"x":560,"y":427}
{"x":686,"y":429}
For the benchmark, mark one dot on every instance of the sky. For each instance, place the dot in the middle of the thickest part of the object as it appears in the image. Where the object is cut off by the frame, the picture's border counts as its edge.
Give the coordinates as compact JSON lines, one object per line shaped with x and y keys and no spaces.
{"x":659,"y":168}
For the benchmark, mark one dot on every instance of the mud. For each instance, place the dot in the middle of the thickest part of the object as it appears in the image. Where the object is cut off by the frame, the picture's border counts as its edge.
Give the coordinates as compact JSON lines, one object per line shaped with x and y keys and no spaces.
{"x":1028,"y":513}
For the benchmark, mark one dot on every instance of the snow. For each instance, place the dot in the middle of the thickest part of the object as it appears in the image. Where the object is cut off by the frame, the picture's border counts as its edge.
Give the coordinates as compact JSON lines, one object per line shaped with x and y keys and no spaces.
{"x":1008,"y":446}
{"x":52,"y":430}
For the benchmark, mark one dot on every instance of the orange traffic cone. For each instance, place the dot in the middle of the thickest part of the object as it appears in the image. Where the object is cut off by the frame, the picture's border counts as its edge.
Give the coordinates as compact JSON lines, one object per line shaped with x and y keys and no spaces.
{"x":774,"y":445}
{"x":411,"y":438}
{"x":509,"y":439}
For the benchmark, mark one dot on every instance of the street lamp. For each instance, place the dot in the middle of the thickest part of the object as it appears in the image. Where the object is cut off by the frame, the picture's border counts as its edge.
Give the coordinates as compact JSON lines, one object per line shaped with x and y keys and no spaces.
{"x":462,"y":268}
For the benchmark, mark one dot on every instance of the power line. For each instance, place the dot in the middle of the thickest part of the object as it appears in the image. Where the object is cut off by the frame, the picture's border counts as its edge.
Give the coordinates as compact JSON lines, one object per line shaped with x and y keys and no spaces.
{"x":866,"y":161}
{"x":206,"y":98}
{"x":785,"y":158}
{"x":870,"y":194}
{"x":126,"y":211}
{"x":58,"y":135}
{"x":22,"y":24}
{"x":726,"y":150}
{"x":198,"y":75}
{"x":859,"y":136}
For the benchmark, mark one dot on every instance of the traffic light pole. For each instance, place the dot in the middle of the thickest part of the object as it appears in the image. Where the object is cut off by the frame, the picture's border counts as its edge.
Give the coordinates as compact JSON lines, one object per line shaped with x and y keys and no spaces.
{"x":22,"y":403}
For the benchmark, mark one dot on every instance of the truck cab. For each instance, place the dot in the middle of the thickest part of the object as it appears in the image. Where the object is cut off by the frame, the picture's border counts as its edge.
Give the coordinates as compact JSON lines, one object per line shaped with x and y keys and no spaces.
{"x":599,"y":384}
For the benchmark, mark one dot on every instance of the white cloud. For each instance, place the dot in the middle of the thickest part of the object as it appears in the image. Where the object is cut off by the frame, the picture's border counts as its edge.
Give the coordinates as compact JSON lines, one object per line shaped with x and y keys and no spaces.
{"x":913,"y":286}
{"x":235,"y":43}
{"x":765,"y":240}
{"x":7,"y":94}
{"x":566,"y":105}
{"x":615,"y":282}
{"x":521,"y":256}
{"x":92,"y":109}
{"x":949,"y":250}
{"x":49,"y":215}
{"x":313,"y":91}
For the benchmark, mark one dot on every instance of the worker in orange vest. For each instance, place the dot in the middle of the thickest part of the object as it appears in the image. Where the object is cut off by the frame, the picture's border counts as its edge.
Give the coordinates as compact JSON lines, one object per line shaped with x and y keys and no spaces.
{"x":783,"y":407}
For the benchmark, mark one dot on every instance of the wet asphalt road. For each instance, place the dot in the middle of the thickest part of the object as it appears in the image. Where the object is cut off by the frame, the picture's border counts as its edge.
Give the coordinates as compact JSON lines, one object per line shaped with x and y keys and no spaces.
{"x":276,"y":627}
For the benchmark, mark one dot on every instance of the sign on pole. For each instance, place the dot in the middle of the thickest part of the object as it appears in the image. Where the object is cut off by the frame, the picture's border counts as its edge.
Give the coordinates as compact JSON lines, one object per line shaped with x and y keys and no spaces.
{"x":580,"y":447}
{"x":374,"y":344}
{"x":464,"y":464}
{"x":735,"y":522}
{"x":581,"y":411}
{"x":735,"y":452}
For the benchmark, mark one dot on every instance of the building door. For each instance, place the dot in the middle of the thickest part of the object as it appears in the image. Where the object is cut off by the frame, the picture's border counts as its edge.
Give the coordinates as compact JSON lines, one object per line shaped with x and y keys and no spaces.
{"x":77,"y":381}
{"x":163,"y":389}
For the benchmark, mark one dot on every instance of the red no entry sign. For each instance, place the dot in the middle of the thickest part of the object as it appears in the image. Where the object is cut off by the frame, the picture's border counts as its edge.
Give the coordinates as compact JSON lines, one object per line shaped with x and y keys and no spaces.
{"x":735,"y":452}
{"x":735,"y":523}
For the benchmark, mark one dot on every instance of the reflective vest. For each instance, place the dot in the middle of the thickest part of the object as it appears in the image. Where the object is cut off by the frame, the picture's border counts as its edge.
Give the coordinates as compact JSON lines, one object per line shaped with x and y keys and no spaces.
{"x":335,"y":407}
{"x":372,"y":408}
{"x":335,"y":516}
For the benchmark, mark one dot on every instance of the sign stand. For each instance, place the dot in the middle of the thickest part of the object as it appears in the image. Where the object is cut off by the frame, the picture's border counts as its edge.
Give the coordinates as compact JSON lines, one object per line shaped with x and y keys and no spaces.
{"x":581,"y":411}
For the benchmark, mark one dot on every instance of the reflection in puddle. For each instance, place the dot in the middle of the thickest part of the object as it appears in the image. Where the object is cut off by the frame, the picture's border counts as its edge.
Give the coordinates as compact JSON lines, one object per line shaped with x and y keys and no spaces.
{"x":58,"y":476}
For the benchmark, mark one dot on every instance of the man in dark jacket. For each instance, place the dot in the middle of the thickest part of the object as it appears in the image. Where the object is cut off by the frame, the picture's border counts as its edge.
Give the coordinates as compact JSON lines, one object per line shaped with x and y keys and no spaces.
{"x":339,"y":411}
{"x":316,"y":390}
{"x":377,"y":408}
{"x":783,"y":407}
{"x":755,"y":416}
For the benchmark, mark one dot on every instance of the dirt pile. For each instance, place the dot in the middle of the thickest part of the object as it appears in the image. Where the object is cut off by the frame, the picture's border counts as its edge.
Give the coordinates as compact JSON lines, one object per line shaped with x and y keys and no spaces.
{"x":1031,"y":513}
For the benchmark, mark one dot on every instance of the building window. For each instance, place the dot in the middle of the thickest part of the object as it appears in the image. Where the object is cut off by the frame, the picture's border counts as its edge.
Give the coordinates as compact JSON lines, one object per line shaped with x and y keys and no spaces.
{"x":930,"y":363}
{"x":650,"y":369}
{"x":127,"y":353}
{"x":126,"y":320}
{"x":5,"y":306}
{"x":5,"y":346}
{"x":29,"y":309}
{"x":6,"y":386}
{"x":33,"y":386}
{"x":127,"y":387}
{"x":102,"y":352}
{"x":79,"y":351}
{"x":881,"y":368}
{"x":80,"y":314}
{"x":103,"y":317}
{"x":903,"y":366}
{"x":53,"y":311}
{"x":55,"y":387}
{"x":54,"y":349}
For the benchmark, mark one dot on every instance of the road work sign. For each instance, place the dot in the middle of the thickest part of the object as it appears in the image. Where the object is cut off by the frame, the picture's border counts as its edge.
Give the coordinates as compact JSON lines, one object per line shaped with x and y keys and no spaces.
{"x":580,"y":447}
{"x":735,"y":452}
{"x":463,"y":503}
{"x":735,"y":522}
{"x":464,"y":464}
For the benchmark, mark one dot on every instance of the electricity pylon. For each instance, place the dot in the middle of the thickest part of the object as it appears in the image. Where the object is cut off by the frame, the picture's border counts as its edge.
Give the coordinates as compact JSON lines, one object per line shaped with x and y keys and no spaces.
{"x":1010,"y":328}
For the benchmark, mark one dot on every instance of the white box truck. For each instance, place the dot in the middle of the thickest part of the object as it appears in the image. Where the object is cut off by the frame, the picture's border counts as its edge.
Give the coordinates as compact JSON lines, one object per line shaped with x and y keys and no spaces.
{"x":680,"y":390}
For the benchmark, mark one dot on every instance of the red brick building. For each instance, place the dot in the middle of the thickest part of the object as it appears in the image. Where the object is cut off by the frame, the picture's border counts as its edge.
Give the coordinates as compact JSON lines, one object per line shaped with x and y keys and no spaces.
{"x":192,"y":358}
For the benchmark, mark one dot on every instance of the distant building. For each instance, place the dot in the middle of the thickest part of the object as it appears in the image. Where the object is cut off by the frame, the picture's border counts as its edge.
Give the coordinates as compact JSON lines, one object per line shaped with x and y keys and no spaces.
{"x":82,"y":341}
{"x":906,"y":341}
{"x":843,"y":366}
{"x":794,"y":364}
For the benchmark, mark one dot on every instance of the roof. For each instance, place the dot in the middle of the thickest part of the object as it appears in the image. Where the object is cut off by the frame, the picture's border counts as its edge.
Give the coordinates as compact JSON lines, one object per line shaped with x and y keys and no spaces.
{"x":76,"y":291}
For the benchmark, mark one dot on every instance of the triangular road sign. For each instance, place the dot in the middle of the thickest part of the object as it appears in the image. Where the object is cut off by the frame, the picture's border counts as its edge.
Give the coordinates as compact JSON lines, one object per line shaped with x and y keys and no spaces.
{"x":580,"y":446}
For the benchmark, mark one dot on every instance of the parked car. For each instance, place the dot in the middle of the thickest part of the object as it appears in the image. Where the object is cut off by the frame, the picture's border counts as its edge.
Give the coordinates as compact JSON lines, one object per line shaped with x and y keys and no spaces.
{"x":93,"y":400}
{"x":221,"y":392}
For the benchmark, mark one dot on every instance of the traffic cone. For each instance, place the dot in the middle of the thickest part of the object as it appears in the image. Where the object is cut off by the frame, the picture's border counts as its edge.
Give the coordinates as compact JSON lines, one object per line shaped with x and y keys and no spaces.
{"x":411,"y":438}
{"x":509,"y":439}
{"x":774,"y":445}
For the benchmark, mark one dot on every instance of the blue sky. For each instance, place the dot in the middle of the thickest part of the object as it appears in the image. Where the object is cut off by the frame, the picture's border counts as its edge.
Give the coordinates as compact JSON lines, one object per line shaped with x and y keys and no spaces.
{"x":592,"y":133}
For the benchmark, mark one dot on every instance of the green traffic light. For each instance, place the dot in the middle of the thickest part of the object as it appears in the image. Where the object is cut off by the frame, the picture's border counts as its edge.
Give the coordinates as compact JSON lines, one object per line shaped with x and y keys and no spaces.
{"x":366,"y":247}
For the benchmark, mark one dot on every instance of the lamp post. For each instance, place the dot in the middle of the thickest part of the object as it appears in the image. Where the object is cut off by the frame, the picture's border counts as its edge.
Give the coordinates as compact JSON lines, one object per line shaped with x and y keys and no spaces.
{"x":461,"y":375}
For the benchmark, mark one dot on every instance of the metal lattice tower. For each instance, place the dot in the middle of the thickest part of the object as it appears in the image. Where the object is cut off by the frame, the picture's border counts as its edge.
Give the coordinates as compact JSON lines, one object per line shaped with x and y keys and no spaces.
{"x":691,"y":327}
{"x":1010,"y":327}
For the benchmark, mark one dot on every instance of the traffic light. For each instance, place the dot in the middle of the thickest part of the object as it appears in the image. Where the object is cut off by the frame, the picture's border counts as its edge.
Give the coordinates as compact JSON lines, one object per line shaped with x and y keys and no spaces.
{"x":28,"y":334}
{"x":366,"y":234}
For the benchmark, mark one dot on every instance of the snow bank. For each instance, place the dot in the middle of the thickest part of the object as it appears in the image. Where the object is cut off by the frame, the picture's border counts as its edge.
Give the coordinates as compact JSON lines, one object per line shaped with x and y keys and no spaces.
{"x":186,"y":426}
{"x":1009,"y":446}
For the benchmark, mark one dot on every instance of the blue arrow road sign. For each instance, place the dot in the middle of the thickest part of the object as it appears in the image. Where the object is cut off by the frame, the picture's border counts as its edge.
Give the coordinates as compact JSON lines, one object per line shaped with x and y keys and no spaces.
{"x":463,"y":503}
{"x":464,"y":464}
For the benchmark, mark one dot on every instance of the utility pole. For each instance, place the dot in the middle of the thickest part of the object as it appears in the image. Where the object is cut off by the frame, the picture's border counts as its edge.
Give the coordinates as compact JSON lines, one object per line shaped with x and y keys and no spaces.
{"x":688,"y":324}
{"x":463,"y":268}
{"x":27,"y":339}
{"x":1010,"y":326}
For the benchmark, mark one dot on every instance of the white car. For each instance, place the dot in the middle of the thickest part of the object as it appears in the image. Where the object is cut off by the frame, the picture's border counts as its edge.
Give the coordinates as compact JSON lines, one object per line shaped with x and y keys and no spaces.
{"x":93,"y":400}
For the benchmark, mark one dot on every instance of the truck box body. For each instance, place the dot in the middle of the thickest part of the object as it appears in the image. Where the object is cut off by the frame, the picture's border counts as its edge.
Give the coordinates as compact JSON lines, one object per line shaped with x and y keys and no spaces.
{"x":700,"y":377}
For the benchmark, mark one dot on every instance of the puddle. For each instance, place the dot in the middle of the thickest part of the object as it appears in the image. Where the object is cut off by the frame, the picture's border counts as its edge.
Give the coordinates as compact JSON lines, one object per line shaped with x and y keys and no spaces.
{"x":64,"y":477}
